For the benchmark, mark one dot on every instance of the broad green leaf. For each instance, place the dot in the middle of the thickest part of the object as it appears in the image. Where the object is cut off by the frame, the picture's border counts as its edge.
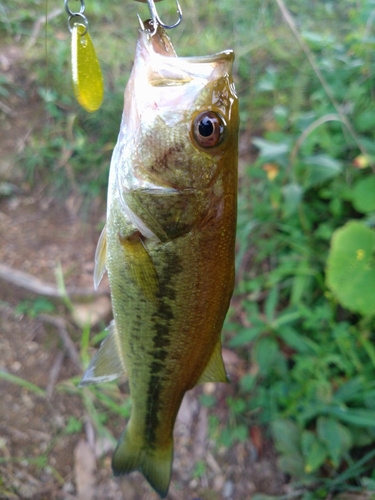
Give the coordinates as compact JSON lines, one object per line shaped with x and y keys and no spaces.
{"x":265,"y":352}
{"x":365,"y":121}
{"x":267,"y":82}
{"x":368,"y":483}
{"x":286,"y":318}
{"x":271,"y":303}
{"x":307,"y":440}
{"x":291,"y":464}
{"x":300,"y":283}
{"x":302,"y":280}
{"x":286,"y":435}
{"x":361,"y":437}
{"x":358,"y":417}
{"x":317,"y":39}
{"x":293,"y":194}
{"x":245,"y":336}
{"x":295,"y":340}
{"x":270,"y":150}
{"x":349,"y":390}
{"x":310,"y":411}
{"x":314,"y":451}
{"x":247,"y":382}
{"x":316,"y":457}
{"x":364,"y":195}
{"x":281,"y":113}
{"x":351,"y":267}
{"x":320,"y":168}
{"x":335,"y":436}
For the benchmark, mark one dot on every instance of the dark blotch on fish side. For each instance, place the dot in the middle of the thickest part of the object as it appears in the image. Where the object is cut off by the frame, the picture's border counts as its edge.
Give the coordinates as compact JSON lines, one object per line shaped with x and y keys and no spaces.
{"x":161,"y":342}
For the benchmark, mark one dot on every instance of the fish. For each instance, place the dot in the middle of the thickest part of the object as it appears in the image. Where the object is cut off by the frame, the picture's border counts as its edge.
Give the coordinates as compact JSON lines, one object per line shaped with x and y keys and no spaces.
{"x":168,"y":244}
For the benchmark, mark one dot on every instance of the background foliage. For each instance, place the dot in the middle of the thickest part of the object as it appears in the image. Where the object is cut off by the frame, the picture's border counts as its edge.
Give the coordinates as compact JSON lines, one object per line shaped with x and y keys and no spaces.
{"x":303,"y":312}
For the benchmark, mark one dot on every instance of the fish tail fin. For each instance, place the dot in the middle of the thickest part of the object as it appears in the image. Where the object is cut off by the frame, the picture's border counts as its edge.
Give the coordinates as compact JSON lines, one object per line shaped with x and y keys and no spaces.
{"x":155,"y":464}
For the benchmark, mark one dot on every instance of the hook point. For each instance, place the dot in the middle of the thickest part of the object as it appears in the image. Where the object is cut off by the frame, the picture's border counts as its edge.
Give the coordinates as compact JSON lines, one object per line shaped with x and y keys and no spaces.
{"x":156,"y":19}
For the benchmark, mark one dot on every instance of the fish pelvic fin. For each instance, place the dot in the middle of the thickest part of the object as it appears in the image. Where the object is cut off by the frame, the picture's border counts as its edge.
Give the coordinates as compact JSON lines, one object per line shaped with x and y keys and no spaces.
{"x":215,"y":369}
{"x":108,"y":363}
{"x":154,"y":464}
{"x":100,"y":258}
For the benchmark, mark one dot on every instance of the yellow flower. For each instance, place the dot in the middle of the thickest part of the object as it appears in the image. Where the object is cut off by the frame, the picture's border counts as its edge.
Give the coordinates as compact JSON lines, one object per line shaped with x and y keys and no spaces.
{"x":271,"y":169}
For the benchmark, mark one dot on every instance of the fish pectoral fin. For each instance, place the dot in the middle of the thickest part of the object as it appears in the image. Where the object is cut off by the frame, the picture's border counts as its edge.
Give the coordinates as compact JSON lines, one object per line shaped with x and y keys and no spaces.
{"x":154,"y":463}
{"x":215,"y":369}
{"x":139,"y":263}
{"x":108,"y":363}
{"x":100,"y":258}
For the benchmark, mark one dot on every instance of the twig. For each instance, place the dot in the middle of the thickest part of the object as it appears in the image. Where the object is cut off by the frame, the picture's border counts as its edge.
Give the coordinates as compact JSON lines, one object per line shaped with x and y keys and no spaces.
{"x":38,"y":26}
{"x":60,"y":324}
{"x":54,"y":373}
{"x":174,"y":493}
{"x":25,"y":280}
{"x":369,"y":22}
{"x":6,"y":109}
{"x":323,"y":119}
{"x":292,"y":25}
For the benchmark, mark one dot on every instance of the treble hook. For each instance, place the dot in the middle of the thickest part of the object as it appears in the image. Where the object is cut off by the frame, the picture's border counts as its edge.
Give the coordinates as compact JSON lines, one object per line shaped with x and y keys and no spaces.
{"x":156,"y":19}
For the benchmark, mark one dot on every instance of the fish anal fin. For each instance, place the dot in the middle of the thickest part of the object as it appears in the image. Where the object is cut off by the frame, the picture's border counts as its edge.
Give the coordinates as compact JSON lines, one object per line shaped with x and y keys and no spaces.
{"x":108,"y":363}
{"x":154,"y":463}
{"x":139,"y":263}
{"x":215,"y":369}
{"x":100,"y":258}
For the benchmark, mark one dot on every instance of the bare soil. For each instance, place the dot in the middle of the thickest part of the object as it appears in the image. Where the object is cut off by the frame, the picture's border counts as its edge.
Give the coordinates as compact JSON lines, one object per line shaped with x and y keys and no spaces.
{"x":39,"y":459}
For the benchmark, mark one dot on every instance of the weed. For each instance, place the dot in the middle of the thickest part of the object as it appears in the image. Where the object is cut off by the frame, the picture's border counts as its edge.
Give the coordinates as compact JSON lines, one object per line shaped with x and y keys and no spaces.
{"x":307,"y":217}
{"x":22,"y":383}
{"x":73,"y":425}
{"x":34,"y":307}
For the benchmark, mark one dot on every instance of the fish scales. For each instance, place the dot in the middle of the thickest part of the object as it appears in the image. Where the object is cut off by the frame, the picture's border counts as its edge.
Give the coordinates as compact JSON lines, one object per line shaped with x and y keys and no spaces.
{"x":168,"y":244}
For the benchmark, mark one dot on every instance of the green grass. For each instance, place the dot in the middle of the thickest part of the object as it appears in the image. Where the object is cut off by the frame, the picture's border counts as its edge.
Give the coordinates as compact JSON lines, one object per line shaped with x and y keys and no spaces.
{"x":13,"y":379}
{"x":307,"y":124}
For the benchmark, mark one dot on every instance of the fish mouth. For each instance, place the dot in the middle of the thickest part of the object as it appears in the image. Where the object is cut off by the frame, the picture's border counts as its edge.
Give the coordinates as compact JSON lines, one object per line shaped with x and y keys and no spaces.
{"x":160,"y":41}
{"x":162,"y":44}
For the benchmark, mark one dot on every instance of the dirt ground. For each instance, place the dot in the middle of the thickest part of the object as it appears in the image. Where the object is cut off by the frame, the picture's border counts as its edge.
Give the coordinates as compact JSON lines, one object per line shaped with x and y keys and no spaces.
{"x":39,"y":457}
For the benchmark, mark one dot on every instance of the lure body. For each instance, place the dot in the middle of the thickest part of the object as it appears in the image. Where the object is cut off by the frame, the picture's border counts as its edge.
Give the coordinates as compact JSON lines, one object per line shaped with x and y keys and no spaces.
{"x":168,"y":244}
{"x":86,"y":73}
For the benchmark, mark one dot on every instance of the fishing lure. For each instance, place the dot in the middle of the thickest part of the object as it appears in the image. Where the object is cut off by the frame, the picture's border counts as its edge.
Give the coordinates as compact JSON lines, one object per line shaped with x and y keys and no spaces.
{"x":86,"y":73}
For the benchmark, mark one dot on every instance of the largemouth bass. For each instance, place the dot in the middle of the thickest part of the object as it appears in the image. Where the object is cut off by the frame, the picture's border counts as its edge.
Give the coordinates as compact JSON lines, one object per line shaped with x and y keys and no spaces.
{"x":168,"y":244}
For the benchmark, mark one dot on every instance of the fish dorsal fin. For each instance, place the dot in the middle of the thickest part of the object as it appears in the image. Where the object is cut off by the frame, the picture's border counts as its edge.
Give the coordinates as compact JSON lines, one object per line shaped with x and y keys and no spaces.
{"x":215,"y":369}
{"x":108,"y":363}
{"x":100,"y":258}
{"x":140,"y":265}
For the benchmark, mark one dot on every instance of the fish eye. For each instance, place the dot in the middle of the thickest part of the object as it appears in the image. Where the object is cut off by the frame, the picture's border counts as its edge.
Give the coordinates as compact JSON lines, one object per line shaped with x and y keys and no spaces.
{"x":208,"y":129}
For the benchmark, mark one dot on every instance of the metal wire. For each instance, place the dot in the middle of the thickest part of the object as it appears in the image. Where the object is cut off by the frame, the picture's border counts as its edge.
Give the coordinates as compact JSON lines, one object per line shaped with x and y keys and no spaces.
{"x":70,"y":12}
{"x":156,"y":19}
{"x":73,"y":15}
